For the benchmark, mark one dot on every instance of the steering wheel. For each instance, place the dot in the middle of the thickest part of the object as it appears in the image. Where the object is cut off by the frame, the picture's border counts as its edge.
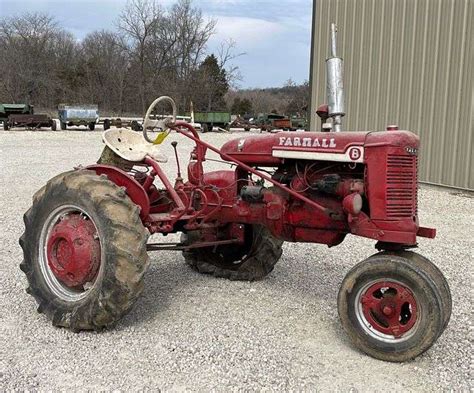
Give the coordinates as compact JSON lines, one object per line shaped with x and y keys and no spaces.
{"x":163,"y":124}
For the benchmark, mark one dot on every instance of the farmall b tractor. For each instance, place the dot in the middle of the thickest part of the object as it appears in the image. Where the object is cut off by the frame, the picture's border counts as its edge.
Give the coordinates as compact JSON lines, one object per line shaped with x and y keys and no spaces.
{"x":86,"y":237}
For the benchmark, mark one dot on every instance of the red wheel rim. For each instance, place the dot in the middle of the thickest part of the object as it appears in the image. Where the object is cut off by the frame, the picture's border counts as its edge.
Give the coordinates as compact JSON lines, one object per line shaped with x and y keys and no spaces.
{"x":73,"y":250}
{"x":389,"y":307}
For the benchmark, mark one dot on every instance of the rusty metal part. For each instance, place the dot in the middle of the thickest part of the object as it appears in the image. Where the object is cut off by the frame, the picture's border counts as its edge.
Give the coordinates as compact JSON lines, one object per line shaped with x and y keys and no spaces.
{"x":30,"y":121}
{"x":389,"y":307}
{"x":183,"y":246}
{"x":73,"y":250}
{"x":250,"y":169}
{"x":132,"y":187}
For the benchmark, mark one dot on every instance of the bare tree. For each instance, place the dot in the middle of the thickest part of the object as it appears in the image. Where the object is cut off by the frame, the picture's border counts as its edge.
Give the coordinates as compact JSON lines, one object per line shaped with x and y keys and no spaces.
{"x":28,"y":47}
{"x":192,"y":32}
{"x":263,"y":100}
{"x":155,"y":50}
{"x":226,"y":52}
{"x":105,"y":71}
{"x":139,"y":22}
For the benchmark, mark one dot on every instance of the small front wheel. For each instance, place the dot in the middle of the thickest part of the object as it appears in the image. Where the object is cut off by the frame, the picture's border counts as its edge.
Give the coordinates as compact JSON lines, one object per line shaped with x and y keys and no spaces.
{"x":391,"y":308}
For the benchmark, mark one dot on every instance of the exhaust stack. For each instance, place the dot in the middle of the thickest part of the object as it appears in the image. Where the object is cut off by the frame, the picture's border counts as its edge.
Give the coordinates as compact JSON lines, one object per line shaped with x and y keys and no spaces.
{"x":334,"y":84}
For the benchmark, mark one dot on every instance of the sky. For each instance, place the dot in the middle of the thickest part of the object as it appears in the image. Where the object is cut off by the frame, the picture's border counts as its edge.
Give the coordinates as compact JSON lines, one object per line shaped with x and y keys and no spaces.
{"x":275,"y":35}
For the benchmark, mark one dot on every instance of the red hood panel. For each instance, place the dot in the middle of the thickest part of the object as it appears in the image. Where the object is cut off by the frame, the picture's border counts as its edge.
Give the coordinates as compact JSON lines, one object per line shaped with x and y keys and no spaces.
{"x":270,"y":149}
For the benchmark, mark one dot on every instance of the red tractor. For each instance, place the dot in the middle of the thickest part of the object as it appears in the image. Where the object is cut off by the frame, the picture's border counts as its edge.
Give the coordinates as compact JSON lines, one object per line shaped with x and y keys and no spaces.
{"x":85,"y":242}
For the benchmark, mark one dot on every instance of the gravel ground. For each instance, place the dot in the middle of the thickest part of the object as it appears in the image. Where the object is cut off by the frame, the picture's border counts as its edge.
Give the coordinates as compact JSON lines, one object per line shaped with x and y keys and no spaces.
{"x":194,"y":332}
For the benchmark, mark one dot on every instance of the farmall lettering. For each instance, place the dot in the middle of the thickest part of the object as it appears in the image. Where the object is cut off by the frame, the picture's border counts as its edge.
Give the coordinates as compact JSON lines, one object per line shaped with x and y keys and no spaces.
{"x":296,"y":141}
{"x":316,"y":148}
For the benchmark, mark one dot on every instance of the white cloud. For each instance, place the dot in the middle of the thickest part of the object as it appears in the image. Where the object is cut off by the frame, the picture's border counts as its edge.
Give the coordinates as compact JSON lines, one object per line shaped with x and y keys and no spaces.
{"x":248,"y":32}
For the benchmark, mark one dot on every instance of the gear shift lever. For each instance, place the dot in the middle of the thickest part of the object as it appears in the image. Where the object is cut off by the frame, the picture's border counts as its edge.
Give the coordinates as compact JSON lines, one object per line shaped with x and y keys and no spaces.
{"x":175,"y":144}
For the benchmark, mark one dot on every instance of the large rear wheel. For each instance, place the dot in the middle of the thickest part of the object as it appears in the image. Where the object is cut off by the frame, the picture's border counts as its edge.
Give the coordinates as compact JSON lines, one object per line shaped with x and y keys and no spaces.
{"x":251,"y":261}
{"x":393,"y":307}
{"x":84,"y":251}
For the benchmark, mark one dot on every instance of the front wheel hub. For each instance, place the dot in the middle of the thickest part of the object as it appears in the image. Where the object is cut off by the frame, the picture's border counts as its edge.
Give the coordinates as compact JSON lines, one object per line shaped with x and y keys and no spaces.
{"x":73,"y":250}
{"x":389,"y":308}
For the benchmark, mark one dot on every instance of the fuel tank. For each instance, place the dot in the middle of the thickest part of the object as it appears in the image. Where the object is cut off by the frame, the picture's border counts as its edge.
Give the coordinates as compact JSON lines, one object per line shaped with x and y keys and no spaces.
{"x":272,"y":149}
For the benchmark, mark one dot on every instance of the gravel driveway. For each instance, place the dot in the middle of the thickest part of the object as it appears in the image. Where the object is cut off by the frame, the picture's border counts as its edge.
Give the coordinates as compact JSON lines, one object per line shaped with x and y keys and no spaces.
{"x":193,"y":332}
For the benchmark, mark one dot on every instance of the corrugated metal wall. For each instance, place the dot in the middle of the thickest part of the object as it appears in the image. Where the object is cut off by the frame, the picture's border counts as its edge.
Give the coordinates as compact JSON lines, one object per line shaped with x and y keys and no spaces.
{"x":406,"y":62}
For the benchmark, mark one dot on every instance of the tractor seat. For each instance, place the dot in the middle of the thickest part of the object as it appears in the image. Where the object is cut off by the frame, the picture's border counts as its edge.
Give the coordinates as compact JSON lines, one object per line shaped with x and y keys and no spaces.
{"x":131,"y":146}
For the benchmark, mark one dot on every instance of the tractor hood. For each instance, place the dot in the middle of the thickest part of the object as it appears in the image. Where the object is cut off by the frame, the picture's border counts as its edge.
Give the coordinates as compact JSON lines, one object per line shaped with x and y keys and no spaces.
{"x":272,"y":149}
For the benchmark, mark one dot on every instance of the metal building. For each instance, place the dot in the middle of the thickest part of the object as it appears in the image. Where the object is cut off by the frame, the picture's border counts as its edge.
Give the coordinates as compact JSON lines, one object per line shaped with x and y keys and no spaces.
{"x":406,"y":62}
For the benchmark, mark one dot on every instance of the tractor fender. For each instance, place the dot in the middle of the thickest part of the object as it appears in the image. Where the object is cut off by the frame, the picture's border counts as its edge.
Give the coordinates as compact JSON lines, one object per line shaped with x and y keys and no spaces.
{"x":134,"y":189}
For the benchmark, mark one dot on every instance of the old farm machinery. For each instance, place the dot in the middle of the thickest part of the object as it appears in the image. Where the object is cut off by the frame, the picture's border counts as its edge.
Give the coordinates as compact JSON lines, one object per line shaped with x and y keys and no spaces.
{"x":78,"y":115}
{"x":86,"y":238}
{"x":22,"y":115}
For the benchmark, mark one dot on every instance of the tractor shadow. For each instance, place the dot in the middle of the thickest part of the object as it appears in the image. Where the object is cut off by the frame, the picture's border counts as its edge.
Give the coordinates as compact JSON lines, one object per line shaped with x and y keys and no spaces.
{"x":170,"y":284}
{"x":167,"y":284}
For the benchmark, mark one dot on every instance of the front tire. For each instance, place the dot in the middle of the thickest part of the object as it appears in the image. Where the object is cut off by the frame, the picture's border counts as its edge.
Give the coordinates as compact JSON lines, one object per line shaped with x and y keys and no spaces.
{"x":435,"y":274}
{"x":84,"y":250}
{"x":391,"y":307}
{"x":249,"y":262}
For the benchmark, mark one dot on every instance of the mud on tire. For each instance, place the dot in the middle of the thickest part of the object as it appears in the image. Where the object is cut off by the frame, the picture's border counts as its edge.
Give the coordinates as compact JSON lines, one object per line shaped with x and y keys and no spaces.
{"x":252,"y":261}
{"x":123,"y":257}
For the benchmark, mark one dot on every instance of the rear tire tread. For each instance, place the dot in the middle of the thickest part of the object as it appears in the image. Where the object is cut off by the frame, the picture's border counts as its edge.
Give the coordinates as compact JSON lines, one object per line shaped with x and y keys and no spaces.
{"x":256,"y":266}
{"x":116,"y":296}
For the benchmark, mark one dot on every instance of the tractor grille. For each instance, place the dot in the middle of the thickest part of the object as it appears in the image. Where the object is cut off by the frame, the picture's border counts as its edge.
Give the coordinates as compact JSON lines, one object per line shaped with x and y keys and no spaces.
{"x":402,"y":186}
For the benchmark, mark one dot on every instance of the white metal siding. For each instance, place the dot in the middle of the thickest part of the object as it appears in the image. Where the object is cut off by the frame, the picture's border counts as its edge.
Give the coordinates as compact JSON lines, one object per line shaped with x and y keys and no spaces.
{"x":406,"y":62}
